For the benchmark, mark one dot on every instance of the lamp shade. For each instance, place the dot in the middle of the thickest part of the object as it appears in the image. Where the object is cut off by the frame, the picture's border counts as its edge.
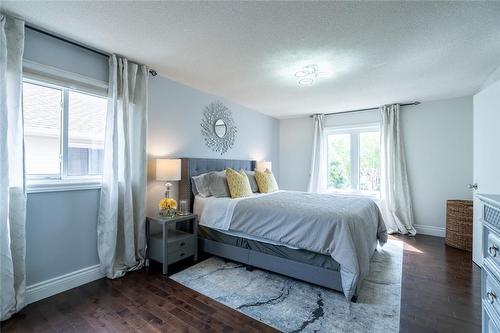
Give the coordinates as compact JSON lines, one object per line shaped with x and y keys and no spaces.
{"x":168,"y":169}
{"x":263,"y":165}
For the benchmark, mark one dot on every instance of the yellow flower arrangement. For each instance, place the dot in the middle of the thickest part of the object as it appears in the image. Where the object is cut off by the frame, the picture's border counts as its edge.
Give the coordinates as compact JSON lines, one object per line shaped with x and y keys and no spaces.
{"x":167,"y":203}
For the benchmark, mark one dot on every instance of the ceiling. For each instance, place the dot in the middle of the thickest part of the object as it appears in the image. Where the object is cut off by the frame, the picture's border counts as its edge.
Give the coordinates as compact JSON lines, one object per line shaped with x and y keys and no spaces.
{"x":248,"y":52}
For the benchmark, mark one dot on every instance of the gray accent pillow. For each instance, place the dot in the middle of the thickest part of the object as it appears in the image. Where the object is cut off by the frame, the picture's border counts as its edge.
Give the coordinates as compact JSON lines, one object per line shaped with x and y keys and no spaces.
{"x":253,"y":182}
{"x":217,"y":184}
{"x":200,"y":185}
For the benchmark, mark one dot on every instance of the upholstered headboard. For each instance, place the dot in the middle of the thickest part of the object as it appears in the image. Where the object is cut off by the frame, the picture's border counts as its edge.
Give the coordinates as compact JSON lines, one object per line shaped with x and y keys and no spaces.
{"x":196,"y":166}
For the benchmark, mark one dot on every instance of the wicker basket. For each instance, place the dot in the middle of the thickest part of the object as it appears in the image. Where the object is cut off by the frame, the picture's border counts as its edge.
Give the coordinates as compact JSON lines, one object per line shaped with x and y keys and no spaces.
{"x":459,"y":224}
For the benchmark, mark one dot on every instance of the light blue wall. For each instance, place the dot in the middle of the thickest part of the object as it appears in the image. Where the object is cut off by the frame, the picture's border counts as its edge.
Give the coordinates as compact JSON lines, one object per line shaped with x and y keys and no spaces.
{"x":61,"y":233}
{"x":61,"y":226}
{"x":296,"y":135}
{"x":175,"y":113}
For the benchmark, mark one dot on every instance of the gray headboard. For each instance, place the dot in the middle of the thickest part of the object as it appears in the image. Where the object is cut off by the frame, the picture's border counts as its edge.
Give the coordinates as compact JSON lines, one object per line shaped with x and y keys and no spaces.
{"x":196,"y":166}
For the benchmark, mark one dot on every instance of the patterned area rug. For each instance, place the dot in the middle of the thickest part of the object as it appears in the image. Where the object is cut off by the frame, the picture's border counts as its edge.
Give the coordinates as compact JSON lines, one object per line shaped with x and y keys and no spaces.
{"x":290,"y":305}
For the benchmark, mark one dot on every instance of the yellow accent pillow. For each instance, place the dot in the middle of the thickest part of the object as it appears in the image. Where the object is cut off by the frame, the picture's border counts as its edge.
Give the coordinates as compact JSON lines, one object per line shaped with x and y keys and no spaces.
{"x":266,"y":181}
{"x":239,"y":185}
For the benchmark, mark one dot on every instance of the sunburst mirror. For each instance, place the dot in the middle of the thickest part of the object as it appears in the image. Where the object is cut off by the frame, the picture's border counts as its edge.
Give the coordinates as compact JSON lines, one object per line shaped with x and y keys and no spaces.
{"x":218,"y":127}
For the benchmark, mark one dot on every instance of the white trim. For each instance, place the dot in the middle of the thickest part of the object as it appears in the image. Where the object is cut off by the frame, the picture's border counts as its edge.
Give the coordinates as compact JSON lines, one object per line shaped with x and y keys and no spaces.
{"x":60,"y":185}
{"x":375,"y":196}
{"x":47,"y":288}
{"x":54,"y":75}
{"x":430,"y":230}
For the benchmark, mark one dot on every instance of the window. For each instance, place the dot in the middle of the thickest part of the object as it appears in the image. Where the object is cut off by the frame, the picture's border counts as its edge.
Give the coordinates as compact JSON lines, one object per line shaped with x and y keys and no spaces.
{"x":63,"y":132}
{"x":354,"y":160}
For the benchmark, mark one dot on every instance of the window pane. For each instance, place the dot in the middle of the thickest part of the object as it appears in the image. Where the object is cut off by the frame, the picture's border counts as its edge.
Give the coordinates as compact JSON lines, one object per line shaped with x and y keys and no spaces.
{"x":87,"y":123}
{"x":42,"y":130}
{"x":339,"y":161}
{"x":369,"y":161}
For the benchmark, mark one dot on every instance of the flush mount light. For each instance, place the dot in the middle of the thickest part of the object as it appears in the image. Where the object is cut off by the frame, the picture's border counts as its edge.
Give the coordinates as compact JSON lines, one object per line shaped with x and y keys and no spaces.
{"x":306,"y":81}
{"x":311,"y":69}
{"x":308,"y":74}
{"x":320,"y":75}
{"x":301,"y":74}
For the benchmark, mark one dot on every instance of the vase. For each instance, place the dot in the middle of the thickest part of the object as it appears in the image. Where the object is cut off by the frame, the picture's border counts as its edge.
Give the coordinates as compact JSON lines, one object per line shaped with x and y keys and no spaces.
{"x":168,"y":213}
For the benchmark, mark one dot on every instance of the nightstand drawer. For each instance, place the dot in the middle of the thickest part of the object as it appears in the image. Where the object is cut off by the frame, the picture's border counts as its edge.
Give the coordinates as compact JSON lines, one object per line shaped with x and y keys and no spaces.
{"x":179,"y":240}
{"x":180,"y":245}
{"x":179,"y":255}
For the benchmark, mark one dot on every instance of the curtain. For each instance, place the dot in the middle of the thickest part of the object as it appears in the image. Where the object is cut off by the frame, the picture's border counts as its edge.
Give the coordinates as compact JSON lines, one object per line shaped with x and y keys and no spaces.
{"x":122,"y":211}
{"x":12,"y":187}
{"x":395,"y":200}
{"x":317,"y":176}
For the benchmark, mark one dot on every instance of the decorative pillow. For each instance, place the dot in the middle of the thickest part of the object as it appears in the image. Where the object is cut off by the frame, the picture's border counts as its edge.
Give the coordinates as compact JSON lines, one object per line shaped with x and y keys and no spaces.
{"x":201,"y":183}
{"x":239,"y":186}
{"x":253,"y":182}
{"x":217,"y":184}
{"x":266,"y":181}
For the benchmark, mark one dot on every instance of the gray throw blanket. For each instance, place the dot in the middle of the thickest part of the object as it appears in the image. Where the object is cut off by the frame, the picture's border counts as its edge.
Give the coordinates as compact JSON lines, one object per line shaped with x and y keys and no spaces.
{"x":346,"y":228}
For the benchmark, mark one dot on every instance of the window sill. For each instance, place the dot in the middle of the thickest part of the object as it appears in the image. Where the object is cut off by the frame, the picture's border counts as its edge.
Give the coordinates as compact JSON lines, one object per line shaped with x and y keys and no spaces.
{"x":40,"y":186}
{"x":374,"y":196}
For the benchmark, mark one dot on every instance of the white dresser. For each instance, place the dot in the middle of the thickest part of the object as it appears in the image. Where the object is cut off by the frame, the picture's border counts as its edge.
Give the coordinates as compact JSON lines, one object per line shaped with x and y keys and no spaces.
{"x":490,"y":273}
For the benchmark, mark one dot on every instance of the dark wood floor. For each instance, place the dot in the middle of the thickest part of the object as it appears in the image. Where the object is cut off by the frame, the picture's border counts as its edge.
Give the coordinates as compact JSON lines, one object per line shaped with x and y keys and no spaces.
{"x":440,"y":293}
{"x":441,"y":288}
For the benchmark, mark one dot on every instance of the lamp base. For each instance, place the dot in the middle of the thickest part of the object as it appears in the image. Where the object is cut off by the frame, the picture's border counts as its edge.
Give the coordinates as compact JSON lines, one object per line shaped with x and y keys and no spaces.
{"x":167,"y":192}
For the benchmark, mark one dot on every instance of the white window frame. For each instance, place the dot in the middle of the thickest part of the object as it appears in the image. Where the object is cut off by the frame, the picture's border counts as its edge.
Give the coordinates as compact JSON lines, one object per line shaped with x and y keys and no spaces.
{"x":51,"y":77}
{"x":354,"y":131}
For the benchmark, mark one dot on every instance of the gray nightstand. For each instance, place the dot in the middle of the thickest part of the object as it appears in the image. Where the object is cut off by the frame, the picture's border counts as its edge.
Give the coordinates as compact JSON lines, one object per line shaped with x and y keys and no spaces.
{"x":172,"y":245}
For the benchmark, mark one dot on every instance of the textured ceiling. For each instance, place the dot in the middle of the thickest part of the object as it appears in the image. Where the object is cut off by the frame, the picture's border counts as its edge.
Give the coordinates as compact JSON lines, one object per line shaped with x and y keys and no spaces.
{"x":248,"y":52}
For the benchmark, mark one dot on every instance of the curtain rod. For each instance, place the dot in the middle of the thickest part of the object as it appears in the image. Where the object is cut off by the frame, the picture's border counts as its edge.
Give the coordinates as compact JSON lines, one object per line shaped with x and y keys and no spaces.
{"x":88,"y":48}
{"x":367,"y":109}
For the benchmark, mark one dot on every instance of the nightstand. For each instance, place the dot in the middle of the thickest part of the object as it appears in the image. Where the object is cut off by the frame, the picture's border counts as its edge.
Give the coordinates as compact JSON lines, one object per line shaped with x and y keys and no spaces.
{"x":172,"y":244}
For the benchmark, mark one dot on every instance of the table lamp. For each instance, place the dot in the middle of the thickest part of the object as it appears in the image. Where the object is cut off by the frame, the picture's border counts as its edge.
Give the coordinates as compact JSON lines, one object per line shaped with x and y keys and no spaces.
{"x":168,"y":170}
{"x":263,"y":165}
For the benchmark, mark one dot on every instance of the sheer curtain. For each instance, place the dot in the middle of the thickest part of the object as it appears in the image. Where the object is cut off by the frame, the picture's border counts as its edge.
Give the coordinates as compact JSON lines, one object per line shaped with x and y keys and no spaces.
{"x":12,"y":189}
{"x":317,"y":177}
{"x":122,"y":211}
{"x":395,"y":201}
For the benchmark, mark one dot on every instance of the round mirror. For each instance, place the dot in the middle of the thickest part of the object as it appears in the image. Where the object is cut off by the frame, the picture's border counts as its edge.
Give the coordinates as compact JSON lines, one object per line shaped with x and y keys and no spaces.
{"x":220,"y":128}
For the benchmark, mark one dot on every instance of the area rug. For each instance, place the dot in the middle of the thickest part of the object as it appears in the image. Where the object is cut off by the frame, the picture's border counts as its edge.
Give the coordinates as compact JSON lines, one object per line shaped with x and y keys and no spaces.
{"x":290,"y":305}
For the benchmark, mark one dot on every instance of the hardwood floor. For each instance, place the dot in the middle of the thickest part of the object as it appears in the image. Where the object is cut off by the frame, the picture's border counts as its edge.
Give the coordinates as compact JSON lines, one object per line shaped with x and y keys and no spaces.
{"x":440,"y":293}
{"x":441,"y":288}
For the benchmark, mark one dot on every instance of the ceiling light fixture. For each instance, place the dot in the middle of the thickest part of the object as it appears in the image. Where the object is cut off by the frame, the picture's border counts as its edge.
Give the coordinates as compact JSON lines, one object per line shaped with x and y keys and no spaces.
{"x":306,"y":81}
{"x":320,"y":75}
{"x":301,"y":74}
{"x":308,"y":74}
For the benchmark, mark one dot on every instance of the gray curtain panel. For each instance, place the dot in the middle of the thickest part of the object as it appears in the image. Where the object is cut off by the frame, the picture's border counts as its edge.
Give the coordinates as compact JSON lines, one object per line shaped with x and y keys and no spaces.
{"x":12,"y":184}
{"x":395,"y":203}
{"x":317,"y":176}
{"x":122,"y":211}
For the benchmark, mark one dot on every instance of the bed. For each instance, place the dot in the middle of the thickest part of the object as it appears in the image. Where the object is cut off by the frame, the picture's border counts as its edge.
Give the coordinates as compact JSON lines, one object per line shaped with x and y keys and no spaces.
{"x":286,"y":232}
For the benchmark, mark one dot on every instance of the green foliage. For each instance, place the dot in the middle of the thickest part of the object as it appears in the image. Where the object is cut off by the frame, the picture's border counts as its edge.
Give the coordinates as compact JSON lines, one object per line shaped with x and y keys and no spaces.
{"x":337,"y":177}
{"x":339,"y":163}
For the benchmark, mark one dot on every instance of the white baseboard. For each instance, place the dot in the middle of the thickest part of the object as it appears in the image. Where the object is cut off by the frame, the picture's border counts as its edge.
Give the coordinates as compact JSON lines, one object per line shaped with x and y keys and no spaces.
{"x":62,"y":283}
{"x":430,"y":230}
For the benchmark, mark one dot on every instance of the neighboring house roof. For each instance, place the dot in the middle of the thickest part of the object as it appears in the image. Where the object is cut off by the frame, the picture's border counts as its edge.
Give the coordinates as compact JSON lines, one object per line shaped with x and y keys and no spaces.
{"x":42,"y":114}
